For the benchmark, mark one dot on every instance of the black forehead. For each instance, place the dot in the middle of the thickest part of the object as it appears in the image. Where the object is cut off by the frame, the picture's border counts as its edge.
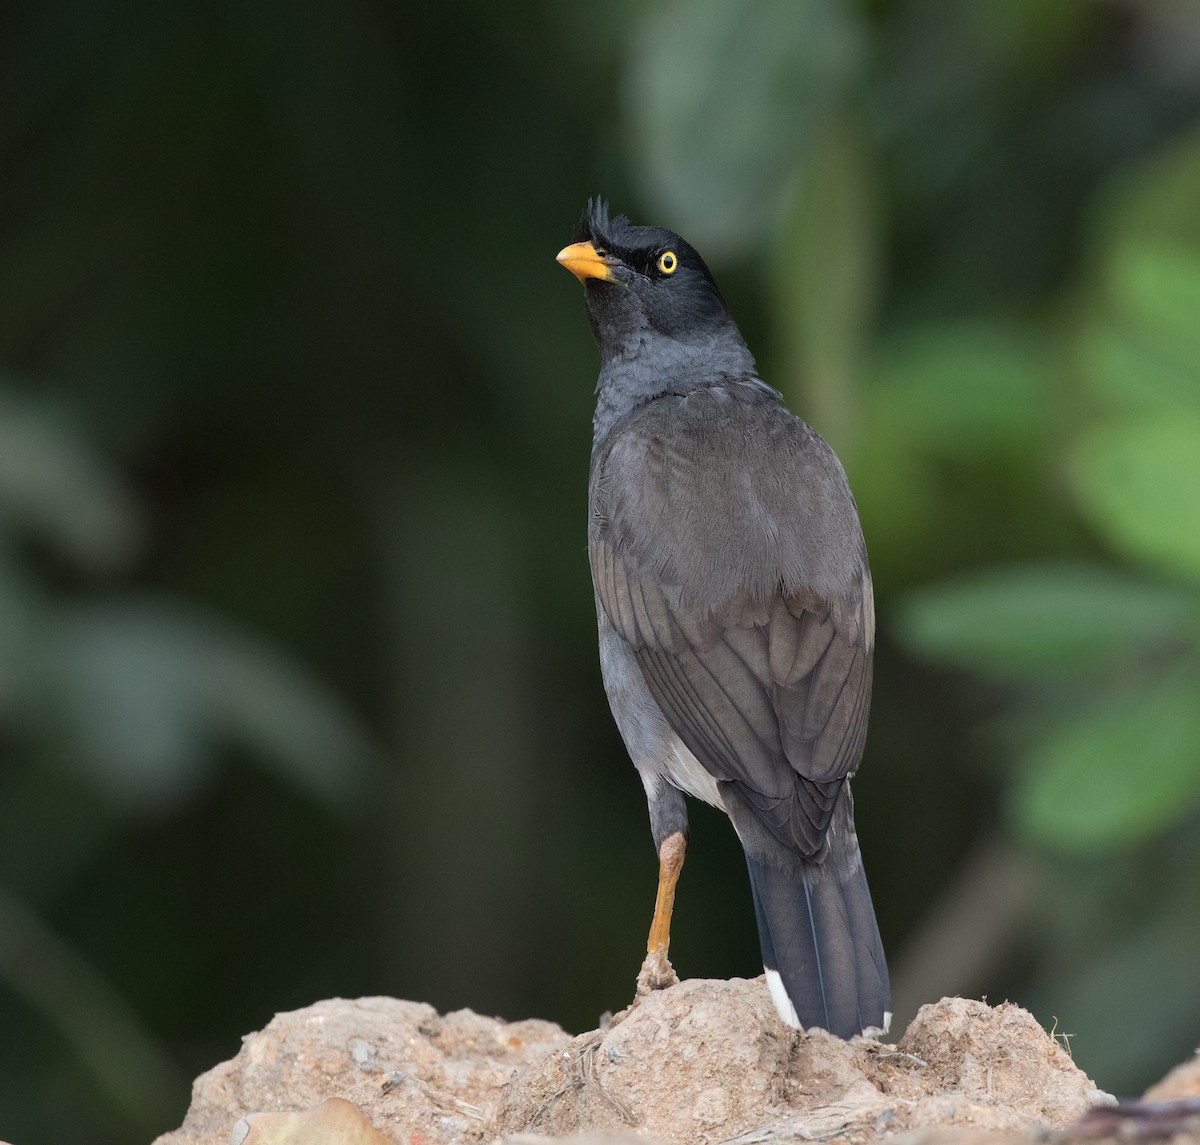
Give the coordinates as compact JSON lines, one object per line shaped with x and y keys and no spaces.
{"x":619,"y":235}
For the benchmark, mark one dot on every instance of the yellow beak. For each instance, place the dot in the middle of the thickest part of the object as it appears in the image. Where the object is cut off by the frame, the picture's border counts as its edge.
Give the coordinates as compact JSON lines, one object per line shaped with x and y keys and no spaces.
{"x":584,"y":261}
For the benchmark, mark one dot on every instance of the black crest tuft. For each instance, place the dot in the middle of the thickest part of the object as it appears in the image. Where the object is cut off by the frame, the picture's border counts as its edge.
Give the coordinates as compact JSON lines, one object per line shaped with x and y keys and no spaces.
{"x":595,"y":226}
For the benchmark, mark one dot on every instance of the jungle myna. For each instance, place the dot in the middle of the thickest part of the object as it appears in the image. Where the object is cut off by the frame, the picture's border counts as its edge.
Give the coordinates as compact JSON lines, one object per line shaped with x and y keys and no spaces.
{"x":735,"y":613}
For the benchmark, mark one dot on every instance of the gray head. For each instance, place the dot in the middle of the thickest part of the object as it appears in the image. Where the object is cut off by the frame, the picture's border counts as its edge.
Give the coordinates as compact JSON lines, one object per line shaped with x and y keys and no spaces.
{"x":657,"y":316}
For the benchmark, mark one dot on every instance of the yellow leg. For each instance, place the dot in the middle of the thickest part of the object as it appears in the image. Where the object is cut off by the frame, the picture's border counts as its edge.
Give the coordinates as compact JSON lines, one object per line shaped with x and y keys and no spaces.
{"x":657,"y":972}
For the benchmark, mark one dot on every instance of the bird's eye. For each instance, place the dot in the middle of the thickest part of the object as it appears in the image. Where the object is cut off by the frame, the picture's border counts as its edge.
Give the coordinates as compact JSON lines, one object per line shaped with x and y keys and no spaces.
{"x":667,"y":262}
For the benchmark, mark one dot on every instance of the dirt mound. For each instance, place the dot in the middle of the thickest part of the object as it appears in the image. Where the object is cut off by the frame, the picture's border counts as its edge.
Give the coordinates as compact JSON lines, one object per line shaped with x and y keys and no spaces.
{"x":699,"y":1062}
{"x":417,"y":1076}
{"x":710,"y":1060}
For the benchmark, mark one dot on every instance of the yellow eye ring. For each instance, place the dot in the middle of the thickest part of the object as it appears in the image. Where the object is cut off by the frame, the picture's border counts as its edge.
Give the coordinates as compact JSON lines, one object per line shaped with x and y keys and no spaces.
{"x":667,"y":262}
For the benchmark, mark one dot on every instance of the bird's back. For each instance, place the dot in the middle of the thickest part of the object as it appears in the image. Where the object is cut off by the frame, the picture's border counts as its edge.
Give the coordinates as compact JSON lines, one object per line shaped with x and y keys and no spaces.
{"x":722,"y":492}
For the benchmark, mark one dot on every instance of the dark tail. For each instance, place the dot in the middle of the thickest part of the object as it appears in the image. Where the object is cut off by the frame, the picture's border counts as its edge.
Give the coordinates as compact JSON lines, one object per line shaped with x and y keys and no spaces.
{"x":819,"y":935}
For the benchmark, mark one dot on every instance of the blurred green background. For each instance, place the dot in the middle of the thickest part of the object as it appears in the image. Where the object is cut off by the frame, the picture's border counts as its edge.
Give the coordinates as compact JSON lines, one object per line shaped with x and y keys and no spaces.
{"x":298,"y":684}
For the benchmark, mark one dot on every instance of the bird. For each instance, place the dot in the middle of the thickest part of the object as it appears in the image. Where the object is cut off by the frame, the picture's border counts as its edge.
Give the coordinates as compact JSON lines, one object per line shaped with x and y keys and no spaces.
{"x":735,"y":614}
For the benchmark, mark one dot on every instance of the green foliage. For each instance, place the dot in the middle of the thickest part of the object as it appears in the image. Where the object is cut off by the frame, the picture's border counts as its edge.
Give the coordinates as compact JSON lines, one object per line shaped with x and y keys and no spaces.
{"x":727,"y":107}
{"x":1139,"y":482}
{"x":1130,"y":372}
{"x":1118,"y":760}
{"x":957,"y":424}
{"x":1047,"y":621}
{"x":969,"y":392}
{"x":1098,"y":663}
{"x":145,"y":691}
{"x":137,"y":690}
{"x":1121,"y":768}
{"x":1155,"y":288}
{"x":53,"y":484}
{"x":136,"y":696}
{"x":825,"y":279}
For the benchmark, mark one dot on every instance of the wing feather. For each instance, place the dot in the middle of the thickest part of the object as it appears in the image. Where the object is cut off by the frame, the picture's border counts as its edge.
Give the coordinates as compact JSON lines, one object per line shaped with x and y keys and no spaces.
{"x":745,"y":601}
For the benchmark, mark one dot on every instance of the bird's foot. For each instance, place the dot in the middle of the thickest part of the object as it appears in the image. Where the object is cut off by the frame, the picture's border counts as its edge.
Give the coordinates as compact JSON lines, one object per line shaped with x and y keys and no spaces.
{"x":656,"y":973}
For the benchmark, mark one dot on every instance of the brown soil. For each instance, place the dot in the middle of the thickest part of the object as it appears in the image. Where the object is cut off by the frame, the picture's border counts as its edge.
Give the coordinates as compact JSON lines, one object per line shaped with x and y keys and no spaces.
{"x":702,"y":1061}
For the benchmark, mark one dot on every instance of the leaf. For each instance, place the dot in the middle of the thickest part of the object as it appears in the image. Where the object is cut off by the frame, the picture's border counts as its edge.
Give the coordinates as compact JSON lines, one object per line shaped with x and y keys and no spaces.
{"x":1135,"y":372}
{"x":1156,"y":290}
{"x":1139,"y":482}
{"x":54,"y":483}
{"x":825,"y":266}
{"x":1158,"y":202}
{"x":965,"y":388}
{"x":1049,"y":618}
{"x":144,"y":693}
{"x":724,"y":104}
{"x":956,"y":426}
{"x":1115,"y":773}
